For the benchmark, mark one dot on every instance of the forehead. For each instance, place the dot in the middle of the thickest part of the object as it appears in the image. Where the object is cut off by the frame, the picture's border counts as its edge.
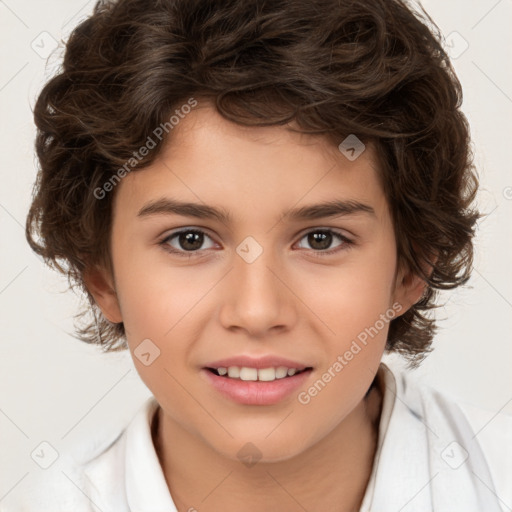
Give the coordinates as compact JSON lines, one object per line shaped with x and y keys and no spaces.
{"x":205,"y":127}
{"x":210,"y":159}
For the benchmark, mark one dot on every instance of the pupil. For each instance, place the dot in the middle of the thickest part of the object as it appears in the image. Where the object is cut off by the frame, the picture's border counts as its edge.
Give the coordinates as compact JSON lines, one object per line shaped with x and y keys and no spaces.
{"x":322,"y":238}
{"x":192,"y":238}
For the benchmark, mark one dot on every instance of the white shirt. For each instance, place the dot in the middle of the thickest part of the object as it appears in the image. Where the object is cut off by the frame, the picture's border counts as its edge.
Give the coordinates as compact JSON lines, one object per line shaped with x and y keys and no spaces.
{"x":433,"y":454}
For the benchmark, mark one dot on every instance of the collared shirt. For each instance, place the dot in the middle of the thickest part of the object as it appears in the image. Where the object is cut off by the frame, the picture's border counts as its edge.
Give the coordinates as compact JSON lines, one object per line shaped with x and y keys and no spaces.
{"x":433,"y":454}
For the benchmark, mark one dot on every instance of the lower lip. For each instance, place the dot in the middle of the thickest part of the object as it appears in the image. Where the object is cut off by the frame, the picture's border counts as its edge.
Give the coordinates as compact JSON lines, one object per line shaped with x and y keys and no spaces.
{"x":256,"y":392}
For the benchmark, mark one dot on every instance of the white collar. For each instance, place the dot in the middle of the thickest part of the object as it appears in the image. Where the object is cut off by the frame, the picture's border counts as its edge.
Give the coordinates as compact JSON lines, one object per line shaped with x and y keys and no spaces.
{"x":420,"y":459}
{"x":146,"y":487}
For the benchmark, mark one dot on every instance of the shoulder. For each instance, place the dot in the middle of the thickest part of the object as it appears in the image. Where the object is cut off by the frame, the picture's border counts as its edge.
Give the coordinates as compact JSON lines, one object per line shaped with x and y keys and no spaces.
{"x":493,"y":430}
{"x":61,"y":487}
{"x":463,"y":431}
{"x":86,"y":477}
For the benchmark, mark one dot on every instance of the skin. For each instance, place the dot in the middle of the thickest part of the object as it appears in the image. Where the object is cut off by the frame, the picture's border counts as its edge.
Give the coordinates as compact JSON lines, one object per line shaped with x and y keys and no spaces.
{"x":291,"y":301}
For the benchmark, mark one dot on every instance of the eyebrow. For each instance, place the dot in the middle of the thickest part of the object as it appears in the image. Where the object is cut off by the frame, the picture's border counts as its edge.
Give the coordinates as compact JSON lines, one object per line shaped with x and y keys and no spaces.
{"x":334,"y":208}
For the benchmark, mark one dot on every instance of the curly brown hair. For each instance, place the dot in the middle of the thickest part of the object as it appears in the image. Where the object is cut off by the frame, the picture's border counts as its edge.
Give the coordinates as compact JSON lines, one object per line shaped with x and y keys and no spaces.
{"x":376,"y":69}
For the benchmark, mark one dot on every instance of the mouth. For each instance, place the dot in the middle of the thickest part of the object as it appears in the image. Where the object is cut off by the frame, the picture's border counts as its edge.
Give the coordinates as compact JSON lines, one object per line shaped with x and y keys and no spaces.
{"x":245,"y":387}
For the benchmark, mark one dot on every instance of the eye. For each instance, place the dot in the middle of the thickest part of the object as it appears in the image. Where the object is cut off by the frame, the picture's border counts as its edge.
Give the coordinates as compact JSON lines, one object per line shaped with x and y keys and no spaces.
{"x":185,"y":241}
{"x":321,"y":239}
{"x":189,"y":242}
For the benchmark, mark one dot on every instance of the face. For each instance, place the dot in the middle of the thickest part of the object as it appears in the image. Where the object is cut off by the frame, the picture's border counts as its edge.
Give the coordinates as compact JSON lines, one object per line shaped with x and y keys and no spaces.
{"x":318,"y":289}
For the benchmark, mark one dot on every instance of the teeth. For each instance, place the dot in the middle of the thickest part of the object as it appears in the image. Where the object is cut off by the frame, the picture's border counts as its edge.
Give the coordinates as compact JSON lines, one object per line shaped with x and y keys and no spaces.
{"x":249,"y":373}
{"x":281,"y":372}
{"x":262,"y":374}
{"x":234,"y":372}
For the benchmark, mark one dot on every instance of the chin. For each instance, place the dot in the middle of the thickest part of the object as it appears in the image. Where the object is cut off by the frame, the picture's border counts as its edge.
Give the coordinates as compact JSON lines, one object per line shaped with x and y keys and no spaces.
{"x":254,"y":450}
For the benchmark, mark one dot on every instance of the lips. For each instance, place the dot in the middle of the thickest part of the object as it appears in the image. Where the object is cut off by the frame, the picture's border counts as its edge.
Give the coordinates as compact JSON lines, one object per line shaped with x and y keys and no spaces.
{"x":257,"y":392}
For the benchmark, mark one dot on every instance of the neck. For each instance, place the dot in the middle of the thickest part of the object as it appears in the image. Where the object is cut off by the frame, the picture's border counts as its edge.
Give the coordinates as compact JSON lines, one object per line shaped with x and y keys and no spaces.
{"x":331,"y":475}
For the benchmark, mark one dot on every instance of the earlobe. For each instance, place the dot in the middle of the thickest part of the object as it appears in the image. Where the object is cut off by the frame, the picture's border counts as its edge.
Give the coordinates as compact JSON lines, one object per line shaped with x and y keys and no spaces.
{"x":102,"y":288}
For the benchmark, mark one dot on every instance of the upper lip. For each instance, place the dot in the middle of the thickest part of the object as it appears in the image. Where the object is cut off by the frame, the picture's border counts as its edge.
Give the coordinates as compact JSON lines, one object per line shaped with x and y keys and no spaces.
{"x":268,"y":361}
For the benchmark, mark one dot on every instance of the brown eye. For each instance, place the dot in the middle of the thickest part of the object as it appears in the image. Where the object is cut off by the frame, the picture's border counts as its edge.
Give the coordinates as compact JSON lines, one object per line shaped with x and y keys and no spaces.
{"x":187,"y":240}
{"x":321,"y":240}
{"x":190,"y":241}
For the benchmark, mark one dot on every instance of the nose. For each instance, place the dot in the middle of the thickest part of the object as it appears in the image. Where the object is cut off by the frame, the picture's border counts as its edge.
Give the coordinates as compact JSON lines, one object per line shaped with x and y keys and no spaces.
{"x":258,"y":297}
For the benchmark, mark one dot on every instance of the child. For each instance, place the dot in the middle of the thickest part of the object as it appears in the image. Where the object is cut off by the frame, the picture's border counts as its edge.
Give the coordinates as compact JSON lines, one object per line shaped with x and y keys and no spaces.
{"x":317,"y":151}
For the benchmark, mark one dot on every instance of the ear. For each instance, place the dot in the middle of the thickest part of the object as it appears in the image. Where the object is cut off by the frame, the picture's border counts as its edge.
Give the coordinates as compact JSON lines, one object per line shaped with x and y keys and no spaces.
{"x":101,"y":286}
{"x":409,"y":288}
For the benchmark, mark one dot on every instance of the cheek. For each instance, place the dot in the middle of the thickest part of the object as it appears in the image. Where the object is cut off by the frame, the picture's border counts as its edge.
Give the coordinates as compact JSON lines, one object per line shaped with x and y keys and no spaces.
{"x":155,"y":296}
{"x":355,"y":312}
{"x":158,"y":308}
{"x":163,"y":313}
{"x":352,"y":296}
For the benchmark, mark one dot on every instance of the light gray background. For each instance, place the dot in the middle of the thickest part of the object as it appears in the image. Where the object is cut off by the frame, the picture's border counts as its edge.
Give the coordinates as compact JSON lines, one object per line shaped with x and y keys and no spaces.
{"x":54,"y":388}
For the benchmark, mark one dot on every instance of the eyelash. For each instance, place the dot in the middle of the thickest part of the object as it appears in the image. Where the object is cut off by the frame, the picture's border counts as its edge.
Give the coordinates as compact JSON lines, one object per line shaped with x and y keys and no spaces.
{"x":347,"y":243}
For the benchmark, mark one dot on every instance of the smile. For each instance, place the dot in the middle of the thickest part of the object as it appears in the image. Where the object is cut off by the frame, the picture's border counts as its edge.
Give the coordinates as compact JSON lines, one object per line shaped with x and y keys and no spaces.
{"x":245,"y":386}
